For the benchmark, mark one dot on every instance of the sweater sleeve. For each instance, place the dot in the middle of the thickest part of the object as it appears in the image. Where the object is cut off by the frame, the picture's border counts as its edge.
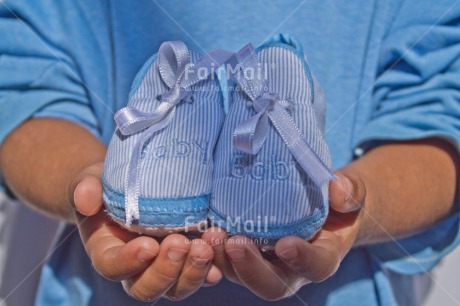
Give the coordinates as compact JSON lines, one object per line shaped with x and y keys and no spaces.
{"x":37,"y":77}
{"x":417,"y":95}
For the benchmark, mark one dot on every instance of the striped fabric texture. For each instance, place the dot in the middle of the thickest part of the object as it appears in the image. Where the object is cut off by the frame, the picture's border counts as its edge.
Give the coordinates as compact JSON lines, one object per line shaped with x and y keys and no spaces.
{"x":177,"y":162}
{"x":269,"y":190}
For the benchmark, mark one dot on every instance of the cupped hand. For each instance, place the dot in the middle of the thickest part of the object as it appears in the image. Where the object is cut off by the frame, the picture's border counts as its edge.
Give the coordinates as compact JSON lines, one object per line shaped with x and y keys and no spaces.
{"x":298,"y":262}
{"x":149,"y":269}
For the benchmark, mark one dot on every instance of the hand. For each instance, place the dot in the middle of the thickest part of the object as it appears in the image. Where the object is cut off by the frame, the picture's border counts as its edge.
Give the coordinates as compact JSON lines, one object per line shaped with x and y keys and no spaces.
{"x":174,"y":269}
{"x":299,"y":261}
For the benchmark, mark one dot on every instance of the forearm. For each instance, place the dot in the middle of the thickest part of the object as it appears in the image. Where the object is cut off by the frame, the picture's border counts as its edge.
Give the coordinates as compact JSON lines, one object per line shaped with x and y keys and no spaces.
{"x":409,"y":187}
{"x":41,"y":158}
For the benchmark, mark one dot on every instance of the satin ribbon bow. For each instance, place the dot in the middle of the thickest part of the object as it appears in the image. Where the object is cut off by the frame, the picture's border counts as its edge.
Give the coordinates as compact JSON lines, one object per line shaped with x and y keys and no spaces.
{"x":250,"y":135}
{"x":179,"y":74}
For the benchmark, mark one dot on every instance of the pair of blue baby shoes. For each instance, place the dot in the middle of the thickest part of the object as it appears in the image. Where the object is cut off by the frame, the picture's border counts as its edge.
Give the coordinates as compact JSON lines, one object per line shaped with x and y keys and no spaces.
{"x":177,"y":162}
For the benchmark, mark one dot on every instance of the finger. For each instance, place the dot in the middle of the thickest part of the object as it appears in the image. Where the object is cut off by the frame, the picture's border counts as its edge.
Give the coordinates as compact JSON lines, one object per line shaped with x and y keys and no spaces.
{"x":194,"y":272}
{"x":259,"y":275}
{"x":119,"y":262}
{"x":163,"y":273}
{"x":86,"y":191}
{"x":213,"y":277}
{"x":315,"y":261}
{"x":216,"y":237}
{"x":347,"y":193}
{"x":88,"y":195}
{"x":115,"y":253}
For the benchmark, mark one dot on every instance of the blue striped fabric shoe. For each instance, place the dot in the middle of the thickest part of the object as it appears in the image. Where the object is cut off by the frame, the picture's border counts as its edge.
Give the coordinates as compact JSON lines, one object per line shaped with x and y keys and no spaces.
{"x":159,"y":166}
{"x":272,"y":165}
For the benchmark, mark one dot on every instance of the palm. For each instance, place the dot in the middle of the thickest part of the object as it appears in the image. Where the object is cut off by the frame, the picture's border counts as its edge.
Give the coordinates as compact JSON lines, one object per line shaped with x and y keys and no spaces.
{"x":174,"y":268}
{"x":297,"y":262}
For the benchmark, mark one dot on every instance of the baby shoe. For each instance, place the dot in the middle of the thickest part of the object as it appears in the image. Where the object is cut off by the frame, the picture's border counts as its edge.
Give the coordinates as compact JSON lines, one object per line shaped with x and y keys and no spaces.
{"x":158,"y":170}
{"x":272,"y":165}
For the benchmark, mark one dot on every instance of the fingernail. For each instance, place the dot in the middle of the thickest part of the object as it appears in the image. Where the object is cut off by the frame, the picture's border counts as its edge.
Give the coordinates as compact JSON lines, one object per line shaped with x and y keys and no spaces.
{"x":347,"y":186}
{"x":236,"y":254}
{"x":176,"y":254}
{"x":289,"y":254}
{"x":144,"y":255}
{"x":200,"y":262}
{"x":74,"y":204}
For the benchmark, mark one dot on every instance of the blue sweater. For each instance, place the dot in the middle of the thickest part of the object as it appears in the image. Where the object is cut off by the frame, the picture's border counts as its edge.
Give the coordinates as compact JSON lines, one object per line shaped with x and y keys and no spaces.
{"x":390,"y":70}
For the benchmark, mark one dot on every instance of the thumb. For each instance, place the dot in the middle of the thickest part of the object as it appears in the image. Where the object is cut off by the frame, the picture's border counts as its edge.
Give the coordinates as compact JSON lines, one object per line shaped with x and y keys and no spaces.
{"x":347,"y":193}
{"x":85,"y":192}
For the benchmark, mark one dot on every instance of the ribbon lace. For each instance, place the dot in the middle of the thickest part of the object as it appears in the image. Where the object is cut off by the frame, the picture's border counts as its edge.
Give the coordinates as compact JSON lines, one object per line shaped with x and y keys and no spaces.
{"x":250,"y":135}
{"x":179,"y":74}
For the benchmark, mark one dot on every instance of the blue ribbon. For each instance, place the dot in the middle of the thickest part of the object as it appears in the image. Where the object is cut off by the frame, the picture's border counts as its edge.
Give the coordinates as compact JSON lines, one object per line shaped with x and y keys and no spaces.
{"x":179,"y":74}
{"x":250,"y":135}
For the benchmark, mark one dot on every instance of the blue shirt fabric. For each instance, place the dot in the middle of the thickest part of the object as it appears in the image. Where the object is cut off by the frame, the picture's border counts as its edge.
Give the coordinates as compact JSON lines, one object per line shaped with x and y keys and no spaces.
{"x":390,"y":70}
